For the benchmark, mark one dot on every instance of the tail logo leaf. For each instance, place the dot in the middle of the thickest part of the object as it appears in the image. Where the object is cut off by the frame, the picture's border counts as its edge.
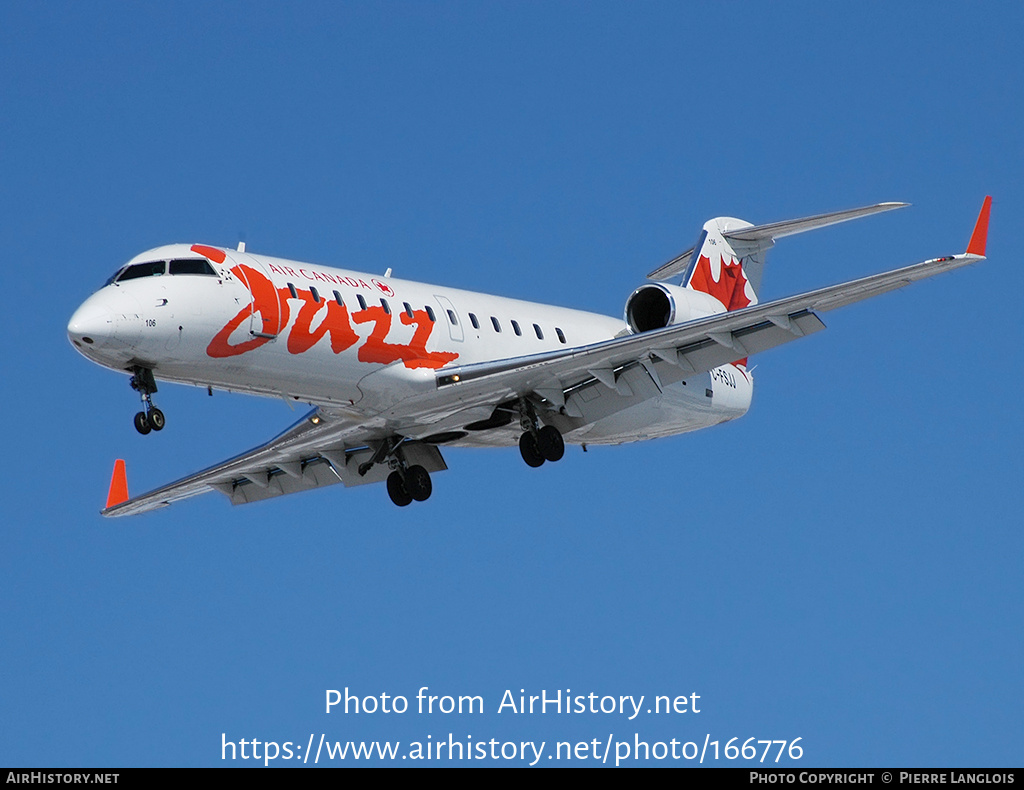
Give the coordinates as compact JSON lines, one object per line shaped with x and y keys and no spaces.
{"x":724,"y":280}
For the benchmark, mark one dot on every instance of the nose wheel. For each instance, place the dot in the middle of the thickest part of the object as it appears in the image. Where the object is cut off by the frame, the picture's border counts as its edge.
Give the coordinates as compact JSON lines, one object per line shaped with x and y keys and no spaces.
{"x":150,"y":418}
{"x":152,"y":421}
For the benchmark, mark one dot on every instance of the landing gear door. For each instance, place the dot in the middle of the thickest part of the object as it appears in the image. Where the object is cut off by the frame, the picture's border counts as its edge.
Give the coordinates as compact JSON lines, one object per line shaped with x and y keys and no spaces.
{"x":266,"y":311}
{"x":450,"y":317}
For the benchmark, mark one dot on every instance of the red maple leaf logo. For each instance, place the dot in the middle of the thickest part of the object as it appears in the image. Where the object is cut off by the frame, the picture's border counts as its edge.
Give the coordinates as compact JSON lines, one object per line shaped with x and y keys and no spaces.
{"x":730,"y":287}
{"x":384,"y":288}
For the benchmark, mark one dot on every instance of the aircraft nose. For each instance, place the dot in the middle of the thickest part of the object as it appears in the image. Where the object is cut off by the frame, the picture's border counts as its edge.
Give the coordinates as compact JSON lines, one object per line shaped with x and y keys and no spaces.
{"x":92,"y":325}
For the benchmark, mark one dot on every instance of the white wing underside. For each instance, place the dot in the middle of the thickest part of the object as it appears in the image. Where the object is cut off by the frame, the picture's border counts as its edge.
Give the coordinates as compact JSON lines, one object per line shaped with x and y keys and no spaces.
{"x":326,"y":447}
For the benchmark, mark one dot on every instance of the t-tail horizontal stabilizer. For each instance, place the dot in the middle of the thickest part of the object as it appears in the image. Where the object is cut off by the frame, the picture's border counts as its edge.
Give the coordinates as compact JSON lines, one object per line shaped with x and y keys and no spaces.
{"x":764,"y":235}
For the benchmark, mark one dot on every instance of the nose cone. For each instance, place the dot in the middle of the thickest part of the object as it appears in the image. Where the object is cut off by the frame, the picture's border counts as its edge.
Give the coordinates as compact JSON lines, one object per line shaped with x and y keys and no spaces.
{"x":93,"y":324}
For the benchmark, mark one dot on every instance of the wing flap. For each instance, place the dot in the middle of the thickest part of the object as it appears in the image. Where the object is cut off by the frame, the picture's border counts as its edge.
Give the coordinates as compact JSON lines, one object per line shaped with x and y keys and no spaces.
{"x":316,"y":474}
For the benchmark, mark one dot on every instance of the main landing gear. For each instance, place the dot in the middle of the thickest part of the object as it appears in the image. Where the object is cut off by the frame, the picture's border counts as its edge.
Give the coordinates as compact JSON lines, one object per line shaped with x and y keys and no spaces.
{"x":151,"y":418}
{"x":538,"y":443}
{"x":405,"y":483}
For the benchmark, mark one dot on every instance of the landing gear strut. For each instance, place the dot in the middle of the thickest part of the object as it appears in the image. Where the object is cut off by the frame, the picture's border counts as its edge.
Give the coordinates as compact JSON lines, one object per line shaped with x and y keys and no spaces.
{"x":405,"y":483}
{"x":538,"y":443}
{"x":151,"y":418}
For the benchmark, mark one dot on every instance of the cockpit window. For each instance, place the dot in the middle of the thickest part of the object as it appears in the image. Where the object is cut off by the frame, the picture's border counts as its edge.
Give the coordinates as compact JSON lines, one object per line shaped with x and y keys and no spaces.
{"x":156,"y":268}
{"x":192,"y":266}
{"x":142,"y":270}
{"x":112,"y":278}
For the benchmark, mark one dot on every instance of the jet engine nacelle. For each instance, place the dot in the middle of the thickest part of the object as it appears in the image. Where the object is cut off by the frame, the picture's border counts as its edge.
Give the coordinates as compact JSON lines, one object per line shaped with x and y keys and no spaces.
{"x":657,"y":305}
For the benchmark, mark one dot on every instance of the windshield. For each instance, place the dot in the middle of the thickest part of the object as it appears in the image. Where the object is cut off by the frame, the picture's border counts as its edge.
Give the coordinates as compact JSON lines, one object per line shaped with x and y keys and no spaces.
{"x":113,"y":277}
{"x":192,"y":266}
{"x":142,"y":270}
{"x":158,"y":268}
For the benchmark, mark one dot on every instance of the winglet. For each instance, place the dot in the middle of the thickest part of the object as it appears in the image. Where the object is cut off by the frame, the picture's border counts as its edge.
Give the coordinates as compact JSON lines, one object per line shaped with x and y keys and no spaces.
{"x":980,"y":235}
{"x":118,"y":492}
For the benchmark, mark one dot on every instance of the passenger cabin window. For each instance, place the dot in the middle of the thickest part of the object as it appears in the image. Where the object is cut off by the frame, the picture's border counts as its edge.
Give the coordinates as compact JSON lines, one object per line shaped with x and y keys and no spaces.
{"x":316,"y":294}
{"x":473,"y":321}
{"x":408,"y":309}
{"x":294,"y":293}
{"x":338,"y":299}
{"x":516,"y":329}
{"x":495,"y":324}
{"x":362,"y":301}
{"x":135,"y":271}
{"x":451,"y":317}
{"x":191,"y":266}
{"x":386,"y":306}
{"x":561,"y":337}
{"x":430,"y":314}
{"x":536,"y":328}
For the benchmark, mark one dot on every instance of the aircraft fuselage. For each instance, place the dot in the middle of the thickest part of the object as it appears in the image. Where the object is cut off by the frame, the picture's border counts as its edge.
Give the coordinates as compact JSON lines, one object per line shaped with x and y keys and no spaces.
{"x":365,"y":344}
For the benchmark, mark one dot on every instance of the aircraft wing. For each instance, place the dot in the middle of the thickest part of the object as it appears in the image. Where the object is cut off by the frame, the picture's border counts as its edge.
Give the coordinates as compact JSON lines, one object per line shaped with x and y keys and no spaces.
{"x":692,"y":347}
{"x":322,"y":448}
{"x":695,"y":346}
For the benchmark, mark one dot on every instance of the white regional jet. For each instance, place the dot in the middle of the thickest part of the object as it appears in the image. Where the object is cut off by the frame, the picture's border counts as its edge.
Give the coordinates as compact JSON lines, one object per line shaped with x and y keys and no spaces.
{"x":395,"y":369}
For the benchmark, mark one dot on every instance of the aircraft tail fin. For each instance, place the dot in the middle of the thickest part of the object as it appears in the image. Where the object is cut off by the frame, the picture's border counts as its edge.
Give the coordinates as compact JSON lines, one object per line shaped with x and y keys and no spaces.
{"x":727,"y":269}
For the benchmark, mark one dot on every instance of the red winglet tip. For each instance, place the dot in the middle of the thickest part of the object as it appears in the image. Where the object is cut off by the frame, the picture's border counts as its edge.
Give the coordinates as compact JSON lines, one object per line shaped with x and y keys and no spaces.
{"x":118,"y":485}
{"x":980,"y":235}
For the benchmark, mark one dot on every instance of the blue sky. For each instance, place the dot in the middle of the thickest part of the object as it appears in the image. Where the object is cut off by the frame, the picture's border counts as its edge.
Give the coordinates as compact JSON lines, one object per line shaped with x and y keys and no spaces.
{"x":841,"y":565}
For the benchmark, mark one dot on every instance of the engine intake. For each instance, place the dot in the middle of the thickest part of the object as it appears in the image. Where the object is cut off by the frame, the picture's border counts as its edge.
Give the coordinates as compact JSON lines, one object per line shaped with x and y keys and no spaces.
{"x":657,"y":305}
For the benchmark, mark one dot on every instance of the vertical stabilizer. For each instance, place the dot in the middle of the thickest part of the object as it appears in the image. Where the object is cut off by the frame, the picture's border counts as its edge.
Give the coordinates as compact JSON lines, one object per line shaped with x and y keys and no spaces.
{"x":727,"y":269}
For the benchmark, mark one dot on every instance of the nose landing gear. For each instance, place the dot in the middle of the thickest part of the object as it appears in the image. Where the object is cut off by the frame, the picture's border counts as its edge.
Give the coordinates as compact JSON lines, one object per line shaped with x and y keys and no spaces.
{"x":151,"y":418}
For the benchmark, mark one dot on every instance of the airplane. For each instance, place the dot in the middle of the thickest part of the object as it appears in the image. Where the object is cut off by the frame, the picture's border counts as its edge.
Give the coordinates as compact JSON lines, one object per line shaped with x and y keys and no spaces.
{"x":395,"y":370}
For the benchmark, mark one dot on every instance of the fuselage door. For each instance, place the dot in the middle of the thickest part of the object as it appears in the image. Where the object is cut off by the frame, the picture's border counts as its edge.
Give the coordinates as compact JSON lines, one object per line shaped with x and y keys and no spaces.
{"x":266,"y":312}
{"x":450,"y":317}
